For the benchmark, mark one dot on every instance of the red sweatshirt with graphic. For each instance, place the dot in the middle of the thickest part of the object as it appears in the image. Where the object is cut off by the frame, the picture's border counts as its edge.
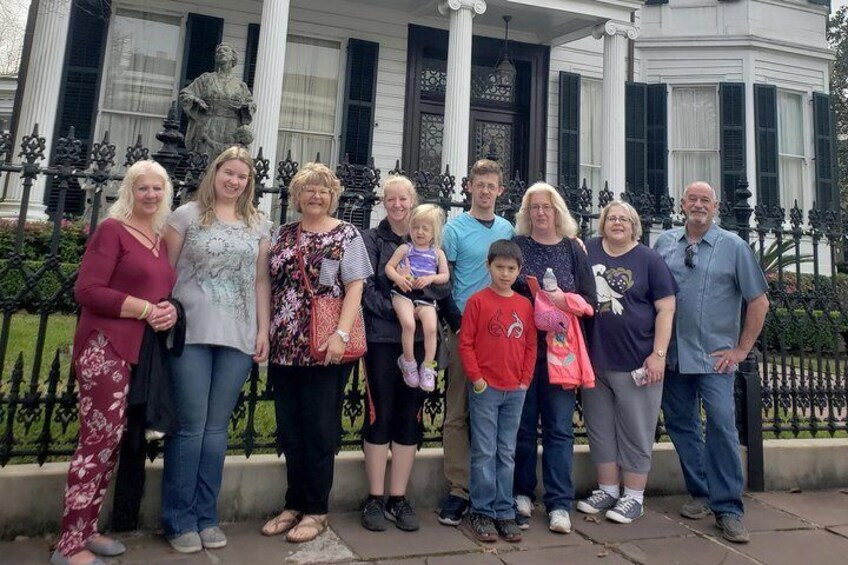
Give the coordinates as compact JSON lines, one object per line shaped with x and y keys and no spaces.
{"x":497,"y":340}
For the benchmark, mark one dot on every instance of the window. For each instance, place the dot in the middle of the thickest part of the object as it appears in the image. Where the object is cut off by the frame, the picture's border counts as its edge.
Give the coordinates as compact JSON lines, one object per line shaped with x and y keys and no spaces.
{"x":694,"y":138}
{"x":790,"y":147}
{"x":310,"y":95}
{"x":591,"y":109}
{"x":141,"y":76}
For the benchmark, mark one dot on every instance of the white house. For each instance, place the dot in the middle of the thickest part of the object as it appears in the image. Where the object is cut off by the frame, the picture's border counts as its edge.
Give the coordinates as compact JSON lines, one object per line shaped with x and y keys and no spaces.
{"x":652,"y":94}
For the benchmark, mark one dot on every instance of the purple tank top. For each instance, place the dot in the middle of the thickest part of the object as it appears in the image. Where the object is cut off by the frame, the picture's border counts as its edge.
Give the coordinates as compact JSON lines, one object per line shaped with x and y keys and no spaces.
{"x":422,"y":263}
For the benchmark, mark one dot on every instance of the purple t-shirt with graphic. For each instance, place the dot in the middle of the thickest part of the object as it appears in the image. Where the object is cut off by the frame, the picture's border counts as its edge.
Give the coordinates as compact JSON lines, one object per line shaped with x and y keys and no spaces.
{"x":621,"y":335}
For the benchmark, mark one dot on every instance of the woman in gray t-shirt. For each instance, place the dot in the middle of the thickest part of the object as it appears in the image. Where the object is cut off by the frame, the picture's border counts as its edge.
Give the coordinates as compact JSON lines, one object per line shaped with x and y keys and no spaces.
{"x":219,"y":246}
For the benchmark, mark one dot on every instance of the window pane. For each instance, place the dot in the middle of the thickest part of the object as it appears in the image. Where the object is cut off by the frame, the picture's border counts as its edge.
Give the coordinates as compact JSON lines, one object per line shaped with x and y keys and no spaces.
{"x":694,"y":119}
{"x":791,"y":182}
{"x":142,"y":63}
{"x":790,"y":124}
{"x":691,"y":167}
{"x":304,"y":147}
{"x":591,"y":106}
{"x":310,"y":85}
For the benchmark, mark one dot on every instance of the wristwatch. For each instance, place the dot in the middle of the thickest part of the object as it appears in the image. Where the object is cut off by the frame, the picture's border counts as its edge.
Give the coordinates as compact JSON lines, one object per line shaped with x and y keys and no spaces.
{"x":660,"y":353}
{"x":344,"y":335}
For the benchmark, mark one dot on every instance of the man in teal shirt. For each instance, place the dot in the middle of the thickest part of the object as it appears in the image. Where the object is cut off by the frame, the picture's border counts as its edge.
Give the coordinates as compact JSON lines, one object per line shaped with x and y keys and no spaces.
{"x":715,"y":271}
{"x":466,"y":243}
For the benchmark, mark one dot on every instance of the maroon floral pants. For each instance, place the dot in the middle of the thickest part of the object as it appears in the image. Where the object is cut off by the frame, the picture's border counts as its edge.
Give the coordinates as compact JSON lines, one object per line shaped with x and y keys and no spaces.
{"x":103,"y":379}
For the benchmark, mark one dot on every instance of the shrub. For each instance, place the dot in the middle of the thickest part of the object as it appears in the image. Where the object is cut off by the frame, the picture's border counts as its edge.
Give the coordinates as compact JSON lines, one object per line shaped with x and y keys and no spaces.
{"x":37,"y":238}
{"x":805,"y":330}
{"x":52,"y":291}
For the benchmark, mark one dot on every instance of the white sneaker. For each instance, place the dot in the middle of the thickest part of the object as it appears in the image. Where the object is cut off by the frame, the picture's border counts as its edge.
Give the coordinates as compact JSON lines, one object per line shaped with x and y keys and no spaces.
{"x":523,"y":505}
{"x":153,"y":435}
{"x":559,"y":521}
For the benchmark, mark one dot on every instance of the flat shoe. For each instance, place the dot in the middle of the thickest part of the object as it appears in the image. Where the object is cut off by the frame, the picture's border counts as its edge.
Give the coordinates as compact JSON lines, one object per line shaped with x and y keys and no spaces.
{"x":58,"y":559}
{"x":281,"y":524}
{"x":110,"y":548}
{"x":313,"y":524}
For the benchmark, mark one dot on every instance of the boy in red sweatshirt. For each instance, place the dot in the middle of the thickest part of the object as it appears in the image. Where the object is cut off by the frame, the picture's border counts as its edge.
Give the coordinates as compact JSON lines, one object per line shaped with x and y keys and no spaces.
{"x":497,"y":344}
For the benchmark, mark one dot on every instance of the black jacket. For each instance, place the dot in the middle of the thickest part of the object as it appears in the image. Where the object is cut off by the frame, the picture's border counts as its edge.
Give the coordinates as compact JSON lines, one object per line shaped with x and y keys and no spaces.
{"x":381,"y":323}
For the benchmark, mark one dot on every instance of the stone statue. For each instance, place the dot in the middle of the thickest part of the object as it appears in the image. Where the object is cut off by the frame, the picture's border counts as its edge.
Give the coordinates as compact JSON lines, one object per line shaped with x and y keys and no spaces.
{"x":219,"y":106}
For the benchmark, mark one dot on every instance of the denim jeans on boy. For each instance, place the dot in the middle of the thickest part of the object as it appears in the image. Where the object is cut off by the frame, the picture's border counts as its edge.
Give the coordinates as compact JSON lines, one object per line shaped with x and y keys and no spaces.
{"x":494,"y":417}
{"x":712,"y":469}
{"x":556,"y":407}
{"x":205,"y":381}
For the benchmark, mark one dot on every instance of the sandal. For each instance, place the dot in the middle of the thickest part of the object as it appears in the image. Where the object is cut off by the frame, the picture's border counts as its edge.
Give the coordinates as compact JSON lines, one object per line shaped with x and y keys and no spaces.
{"x":313,"y":524}
{"x":282,"y":523}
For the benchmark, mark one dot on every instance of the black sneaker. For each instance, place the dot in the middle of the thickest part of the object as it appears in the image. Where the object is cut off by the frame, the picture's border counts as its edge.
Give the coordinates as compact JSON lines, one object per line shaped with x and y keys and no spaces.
{"x":399,"y":511}
{"x":452,"y":510}
{"x":373,"y":517}
{"x":483,"y":528}
{"x":508,"y":530}
{"x":523,"y":522}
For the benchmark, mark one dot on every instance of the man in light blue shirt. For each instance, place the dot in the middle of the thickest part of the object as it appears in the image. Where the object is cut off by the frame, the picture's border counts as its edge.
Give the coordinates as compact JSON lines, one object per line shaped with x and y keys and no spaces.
{"x":466,"y":242}
{"x":715,"y":271}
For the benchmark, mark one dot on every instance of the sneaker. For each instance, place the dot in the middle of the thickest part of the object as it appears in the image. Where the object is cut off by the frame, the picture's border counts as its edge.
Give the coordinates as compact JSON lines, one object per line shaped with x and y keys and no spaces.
{"x":483,"y":528}
{"x":732,"y":528}
{"x":597,"y":502}
{"x":523,"y":505}
{"x":373,"y":515}
{"x":188,"y":542}
{"x":213,"y":538}
{"x":401,"y":513}
{"x":508,"y":530}
{"x":696,"y":509}
{"x":153,"y":435}
{"x":559,"y":521}
{"x":452,"y":510}
{"x":626,"y":510}
{"x":410,"y":372}
{"x":428,"y":376}
{"x":523,"y":522}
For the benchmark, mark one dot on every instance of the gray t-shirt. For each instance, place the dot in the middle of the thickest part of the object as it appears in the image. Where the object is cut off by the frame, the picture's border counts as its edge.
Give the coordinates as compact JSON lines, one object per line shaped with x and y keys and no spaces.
{"x":216,"y":279}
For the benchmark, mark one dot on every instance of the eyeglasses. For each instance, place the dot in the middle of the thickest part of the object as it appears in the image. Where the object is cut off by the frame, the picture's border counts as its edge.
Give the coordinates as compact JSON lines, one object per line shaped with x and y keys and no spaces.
{"x":618,"y":219}
{"x":691,"y":252}
{"x":541,"y":207}
{"x":484,"y":186}
{"x":313,"y":190}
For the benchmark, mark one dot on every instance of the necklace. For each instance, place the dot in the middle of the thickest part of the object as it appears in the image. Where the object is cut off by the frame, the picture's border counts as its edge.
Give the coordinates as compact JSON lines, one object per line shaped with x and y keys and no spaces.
{"x":153,"y":243}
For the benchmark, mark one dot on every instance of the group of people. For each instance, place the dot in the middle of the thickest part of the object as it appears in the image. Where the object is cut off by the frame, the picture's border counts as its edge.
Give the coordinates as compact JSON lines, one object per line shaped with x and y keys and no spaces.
{"x":634,"y":330}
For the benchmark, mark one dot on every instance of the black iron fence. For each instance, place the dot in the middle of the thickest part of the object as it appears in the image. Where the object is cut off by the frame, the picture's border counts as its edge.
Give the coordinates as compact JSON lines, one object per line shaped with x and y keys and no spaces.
{"x":794,"y":384}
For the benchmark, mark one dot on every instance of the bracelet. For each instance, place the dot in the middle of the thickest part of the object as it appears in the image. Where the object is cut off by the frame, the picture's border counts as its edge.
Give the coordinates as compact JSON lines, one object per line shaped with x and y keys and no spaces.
{"x":480,"y":390}
{"x":144,"y":312}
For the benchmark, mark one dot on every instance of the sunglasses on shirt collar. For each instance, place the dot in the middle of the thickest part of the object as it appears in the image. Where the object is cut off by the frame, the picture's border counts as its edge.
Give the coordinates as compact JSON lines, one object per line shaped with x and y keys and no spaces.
{"x":689,"y":258}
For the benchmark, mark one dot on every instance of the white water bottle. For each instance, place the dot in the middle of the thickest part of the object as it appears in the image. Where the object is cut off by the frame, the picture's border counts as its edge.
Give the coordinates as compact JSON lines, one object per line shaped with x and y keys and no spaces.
{"x":549,"y":281}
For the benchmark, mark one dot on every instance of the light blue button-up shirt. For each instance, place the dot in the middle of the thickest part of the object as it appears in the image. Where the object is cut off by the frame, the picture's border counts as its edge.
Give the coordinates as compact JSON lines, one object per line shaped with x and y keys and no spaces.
{"x":709,"y":299}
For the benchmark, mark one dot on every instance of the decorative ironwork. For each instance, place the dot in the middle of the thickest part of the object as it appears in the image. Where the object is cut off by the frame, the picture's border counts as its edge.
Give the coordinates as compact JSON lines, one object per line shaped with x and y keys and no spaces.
{"x":430,"y":143}
{"x":493,"y":140}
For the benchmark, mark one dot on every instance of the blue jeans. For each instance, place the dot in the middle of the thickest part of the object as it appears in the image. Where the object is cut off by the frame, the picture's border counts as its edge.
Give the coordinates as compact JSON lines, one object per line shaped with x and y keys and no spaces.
{"x":712,"y":468}
{"x":494,"y":416}
{"x":205,"y":382}
{"x":556,"y":408}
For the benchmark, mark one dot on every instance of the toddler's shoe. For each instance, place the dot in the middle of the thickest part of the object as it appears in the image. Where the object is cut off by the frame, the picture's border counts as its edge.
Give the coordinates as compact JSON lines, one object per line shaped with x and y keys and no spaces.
{"x":428,"y":376}
{"x":410,"y":372}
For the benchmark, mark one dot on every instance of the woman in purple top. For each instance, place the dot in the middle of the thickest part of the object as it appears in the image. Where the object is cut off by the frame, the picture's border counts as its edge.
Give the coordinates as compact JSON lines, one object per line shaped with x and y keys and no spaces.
{"x":628,"y":339}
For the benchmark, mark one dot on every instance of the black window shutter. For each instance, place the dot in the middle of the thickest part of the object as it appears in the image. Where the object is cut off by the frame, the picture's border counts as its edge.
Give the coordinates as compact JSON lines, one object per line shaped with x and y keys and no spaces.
{"x":635,"y":134}
{"x":569,"y":130}
{"x":78,"y":92}
{"x":823,"y":120}
{"x":765,"y":119}
{"x":360,"y":94}
{"x":203,"y":34}
{"x":656,"y":150}
{"x":732,"y":96}
{"x":250,"y":54}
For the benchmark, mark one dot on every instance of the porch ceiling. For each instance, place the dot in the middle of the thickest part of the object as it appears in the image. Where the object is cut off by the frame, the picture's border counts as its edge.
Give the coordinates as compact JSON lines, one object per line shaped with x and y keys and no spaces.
{"x":551,"y":21}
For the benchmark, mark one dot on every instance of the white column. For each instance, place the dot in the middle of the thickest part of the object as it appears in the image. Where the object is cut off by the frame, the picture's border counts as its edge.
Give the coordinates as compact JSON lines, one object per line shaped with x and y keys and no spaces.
{"x":615,"y":36}
{"x":458,"y":89}
{"x":268,"y":82}
{"x":40,"y":100}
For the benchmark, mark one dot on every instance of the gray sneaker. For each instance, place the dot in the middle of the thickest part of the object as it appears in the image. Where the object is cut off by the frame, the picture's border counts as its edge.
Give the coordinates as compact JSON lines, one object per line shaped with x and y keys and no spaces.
{"x":626,"y":510}
{"x":213,"y":538}
{"x":188,"y":542}
{"x":732,"y":528}
{"x":597,"y":502}
{"x":696,"y":509}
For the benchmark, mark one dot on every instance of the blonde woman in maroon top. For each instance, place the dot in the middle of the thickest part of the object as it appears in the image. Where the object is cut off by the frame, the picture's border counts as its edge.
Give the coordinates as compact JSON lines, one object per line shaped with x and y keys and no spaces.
{"x":123,"y":283}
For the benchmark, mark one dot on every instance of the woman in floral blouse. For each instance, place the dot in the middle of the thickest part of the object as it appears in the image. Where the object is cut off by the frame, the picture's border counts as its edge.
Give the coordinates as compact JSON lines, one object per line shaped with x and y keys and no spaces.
{"x":308,"y":392}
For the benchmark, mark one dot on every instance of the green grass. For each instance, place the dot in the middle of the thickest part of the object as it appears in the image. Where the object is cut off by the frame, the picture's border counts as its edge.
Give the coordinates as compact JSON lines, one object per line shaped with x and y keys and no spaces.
{"x":23,"y":336}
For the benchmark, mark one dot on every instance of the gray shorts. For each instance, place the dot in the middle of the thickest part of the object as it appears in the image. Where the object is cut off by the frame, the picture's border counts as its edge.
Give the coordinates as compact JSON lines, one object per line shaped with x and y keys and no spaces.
{"x":621,"y":419}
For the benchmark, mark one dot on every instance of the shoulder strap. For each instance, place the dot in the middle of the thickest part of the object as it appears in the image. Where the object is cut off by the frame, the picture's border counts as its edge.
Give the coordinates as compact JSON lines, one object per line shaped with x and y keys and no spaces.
{"x":302,"y":265}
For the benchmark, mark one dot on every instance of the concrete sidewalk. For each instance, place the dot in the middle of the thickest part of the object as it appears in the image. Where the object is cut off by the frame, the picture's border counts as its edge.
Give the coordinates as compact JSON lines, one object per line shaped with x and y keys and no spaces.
{"x":786,"y":528}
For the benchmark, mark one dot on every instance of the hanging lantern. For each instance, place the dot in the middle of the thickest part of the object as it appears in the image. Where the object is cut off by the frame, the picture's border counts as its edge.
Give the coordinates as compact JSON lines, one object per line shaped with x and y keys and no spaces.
{"x":505,"y":69}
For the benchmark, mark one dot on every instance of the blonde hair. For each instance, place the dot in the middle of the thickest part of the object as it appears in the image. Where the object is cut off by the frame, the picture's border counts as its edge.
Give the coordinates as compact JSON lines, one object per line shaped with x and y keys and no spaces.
{"x":122,"y":209}
{"x":429,"y":213}
{"x":206,"y":197}
{"x":315,"y":174}
{"x":564,"y":222}
{"x":635,"y":221}
{"x":404,"y":182}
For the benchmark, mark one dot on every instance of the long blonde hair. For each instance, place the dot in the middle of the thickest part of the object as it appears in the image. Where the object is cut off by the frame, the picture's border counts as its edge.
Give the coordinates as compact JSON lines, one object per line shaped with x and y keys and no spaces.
{"x":123,"y":207}
{"x":564,"y":223}
{"x":205,"y":198}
